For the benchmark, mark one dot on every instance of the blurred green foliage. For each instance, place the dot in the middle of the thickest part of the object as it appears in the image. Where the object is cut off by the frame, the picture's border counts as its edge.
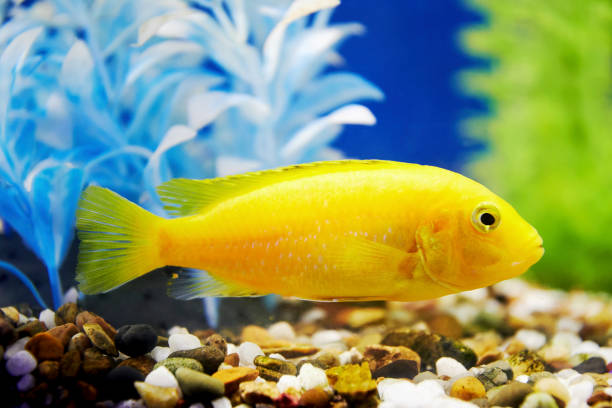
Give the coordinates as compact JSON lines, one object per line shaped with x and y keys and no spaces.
{"x":550,"y":127}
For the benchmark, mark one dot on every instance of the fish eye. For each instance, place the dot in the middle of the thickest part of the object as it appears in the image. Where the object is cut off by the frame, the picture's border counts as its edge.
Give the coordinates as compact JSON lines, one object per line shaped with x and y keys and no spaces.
{"x":486,"y":217}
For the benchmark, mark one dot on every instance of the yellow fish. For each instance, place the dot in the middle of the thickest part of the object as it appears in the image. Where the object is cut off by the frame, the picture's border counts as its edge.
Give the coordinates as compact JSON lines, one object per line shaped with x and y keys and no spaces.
{"x":341,"y":230}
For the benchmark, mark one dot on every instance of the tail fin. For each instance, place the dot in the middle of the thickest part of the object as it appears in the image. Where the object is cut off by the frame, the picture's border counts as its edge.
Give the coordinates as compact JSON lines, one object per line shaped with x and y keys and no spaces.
{"x":118,"y":241}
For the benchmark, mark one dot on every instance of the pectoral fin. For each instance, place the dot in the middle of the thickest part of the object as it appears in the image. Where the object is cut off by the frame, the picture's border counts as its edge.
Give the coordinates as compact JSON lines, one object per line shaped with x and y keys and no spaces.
{"x":192,"y":284}
{"x":358,"y":255}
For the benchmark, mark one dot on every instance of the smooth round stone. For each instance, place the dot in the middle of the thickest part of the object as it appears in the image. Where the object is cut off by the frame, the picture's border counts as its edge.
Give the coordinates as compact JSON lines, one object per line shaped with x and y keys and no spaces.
{"x":581,"y":391}
{"x":183,"y":341}
{"x":119,"y":382}
{"x":45,"y":347}
{"x":135,"y":339}
{"x":16,"y":347}
{"x":21,"y":363}
{"x":592,"y":365}
{"x":288,"y":381}
{"x":161,"y":377}
{"x":392,"y":390}
{"x":312,"y":377}
{"x":449,"y":367}
{"x":157,"y":397}
{"x":326,"y":337}
{"x":99,"y":338}
{"x":282,"y":331}
{"x":247,"y":352}
{"x":424,"y":375}
{"x":47,"y":316}
{"x":553,"y":387}
{"x":467,"y":388}
{"x":160,"y":353}
{"x":26,"y":383}
{"x":532,"y":339}
{"x":195,"y":384}
{"x":222,"y":402}
{"x":509,"y":395}
{"x":177,"y":330}
{"x":174,"y":363}
{"x":210,"y":357}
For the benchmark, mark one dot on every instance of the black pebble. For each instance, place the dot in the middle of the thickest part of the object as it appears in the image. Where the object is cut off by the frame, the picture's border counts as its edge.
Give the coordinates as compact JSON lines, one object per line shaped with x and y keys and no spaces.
{"x":592,"y":365}
{"x":120,"y":383}
{"x":398,"y":369}
{"x":135,"y":339}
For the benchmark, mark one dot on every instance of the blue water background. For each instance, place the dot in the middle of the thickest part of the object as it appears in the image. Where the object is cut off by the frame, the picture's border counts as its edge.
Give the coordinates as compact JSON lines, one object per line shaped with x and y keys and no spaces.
{"x":410,"y":50}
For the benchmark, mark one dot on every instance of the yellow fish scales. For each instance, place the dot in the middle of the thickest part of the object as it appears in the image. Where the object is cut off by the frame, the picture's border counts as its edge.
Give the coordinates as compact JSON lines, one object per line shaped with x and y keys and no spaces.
{"x":342,"y":230}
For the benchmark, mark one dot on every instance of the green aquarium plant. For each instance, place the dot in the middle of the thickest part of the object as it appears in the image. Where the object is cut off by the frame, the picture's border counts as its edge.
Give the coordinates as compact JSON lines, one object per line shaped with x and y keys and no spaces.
{"x":549,"y":129}
{"x":127,"y":94}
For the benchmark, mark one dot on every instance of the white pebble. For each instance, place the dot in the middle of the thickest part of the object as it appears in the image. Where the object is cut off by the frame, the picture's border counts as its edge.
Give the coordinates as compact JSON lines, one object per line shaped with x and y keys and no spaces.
{"x":247,"y":352}
{"x":312,"y":377}
{"x":71,"y":295}
{"x":532,"y":339}
{"x":288,"y":381}
{"x":394,"y":390}
{"x":568,"y":324}
{"x":277,"y":356}
{"x":25,"y":383}
{"x":231,"y":348}
{"x":160,"y":353}
{"x":430,"y":389}
{"x":23,"y":319}
{"x":177,"y":330}
{"x":182,"y":341}
{"x":580,"y":392}
{"x":524,"y":378}
{"x":325,"y":337}
{"x":21,"y":363}
{"x":586,"y":347}
{"x":47,"y":316}
{"x":222,"y":402}
{"x":449,"y":367}
{"x":282,"y":331}
{"x":313,"y":315}
{"x":606,"y":354}
{"x":16,"y":347}
{"x":197,"y":405}
{"x":162,"y":377}
{"x":351,"y":356}
{"x":565,"y":339}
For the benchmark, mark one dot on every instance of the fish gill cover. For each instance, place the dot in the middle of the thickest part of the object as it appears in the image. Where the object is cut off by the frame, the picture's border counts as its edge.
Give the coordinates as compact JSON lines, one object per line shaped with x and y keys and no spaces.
{"x":128,"y":94}
{"x":550,"y":132}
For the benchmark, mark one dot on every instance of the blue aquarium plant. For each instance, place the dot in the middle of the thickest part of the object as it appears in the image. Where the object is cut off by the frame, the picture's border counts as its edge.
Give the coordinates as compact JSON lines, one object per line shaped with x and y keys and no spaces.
{"x":128,"y":94}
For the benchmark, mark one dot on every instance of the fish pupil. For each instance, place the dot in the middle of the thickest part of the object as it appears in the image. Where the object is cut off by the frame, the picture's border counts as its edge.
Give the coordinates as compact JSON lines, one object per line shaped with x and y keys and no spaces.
{"x":487,"y":219}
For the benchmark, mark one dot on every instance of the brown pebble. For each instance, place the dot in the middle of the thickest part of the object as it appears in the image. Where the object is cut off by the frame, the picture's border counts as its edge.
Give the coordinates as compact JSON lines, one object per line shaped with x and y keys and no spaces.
{"x":599,"y":396}
{"x":100,"y":339}
{"x":256,"y":334}
{"x":490,"y":357}
{"x":11,"y":313}
{"x":232,"y":377}
{"x":216,"y":340}
{"x":292,"y":351}
{"x":203,"y":334}
{"x":467,"y":388}
{"x":49,"y":369}
{"x":88,"y":392}
{"x":66,"y":314}
{"x":379,"y":356}
{"x":79,"y":342}
{"x":8,"y":334}
{"x":31,"y":328}
{"x":45,"y":347}
{"x":144,"y":364}
{"x":314,"y":398}
{"x":445,"y":325}
{"x":96,"y":363}
{"x":88,"y":317}
{"x":515,"y":346}
{"x":64,"y":332}
{"x":232,"y":359}
{"x":70,"y":363}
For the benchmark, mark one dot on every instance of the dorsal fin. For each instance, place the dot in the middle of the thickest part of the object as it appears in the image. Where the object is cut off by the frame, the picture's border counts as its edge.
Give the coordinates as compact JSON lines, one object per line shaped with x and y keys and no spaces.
{"x":188,"y":197}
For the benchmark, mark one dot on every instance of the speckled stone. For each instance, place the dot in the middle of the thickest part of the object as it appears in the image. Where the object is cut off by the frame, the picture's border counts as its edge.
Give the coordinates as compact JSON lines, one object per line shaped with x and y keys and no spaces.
{"x":273,"y":369}
{"x":467,"y":388}
{"x":379,"y":356}
{"x":45,"y":347}
{"x":49,"y":370}
{"x":79,"y":342}
{"x":157,"y":397}
{"x":174,"y":363}
{"x":232,"y":359}
{"x":430,"y":347}
{"x":352,"y":381}
{"x":526,"y":362}
{"x":210,"y":357}
{"x":144,"y":364}
{"x":492,"y":377}
{"x":196,"y":384}
{"x":258,"y":392}
{"x":100,"y":339}
{"x":30,"y":328}
{"x":66,"y":314}
{"x":216,"y":340}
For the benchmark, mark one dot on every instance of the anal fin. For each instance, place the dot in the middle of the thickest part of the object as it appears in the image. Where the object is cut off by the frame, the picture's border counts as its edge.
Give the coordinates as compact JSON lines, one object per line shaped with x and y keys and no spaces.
{"x":192,"y":284}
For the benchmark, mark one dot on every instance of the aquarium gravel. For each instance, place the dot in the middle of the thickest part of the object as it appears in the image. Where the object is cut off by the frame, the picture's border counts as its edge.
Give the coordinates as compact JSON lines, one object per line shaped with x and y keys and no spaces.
{"x":510,"y":345}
